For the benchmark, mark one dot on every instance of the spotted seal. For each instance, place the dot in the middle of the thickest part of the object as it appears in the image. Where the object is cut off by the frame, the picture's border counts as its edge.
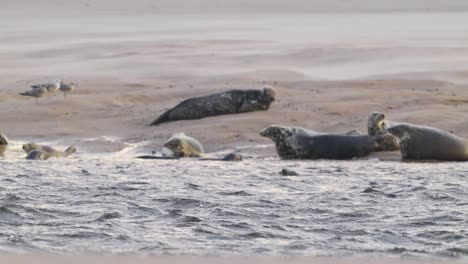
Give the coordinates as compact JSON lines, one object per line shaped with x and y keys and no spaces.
{"x":279,"y":134}
{"x":229,"y":102}
{"x":182,"y":145}
{"x":377,"y":127}
{"x":49,"y":152}
{"x":427,"y":143}
{"x":3,"y":144}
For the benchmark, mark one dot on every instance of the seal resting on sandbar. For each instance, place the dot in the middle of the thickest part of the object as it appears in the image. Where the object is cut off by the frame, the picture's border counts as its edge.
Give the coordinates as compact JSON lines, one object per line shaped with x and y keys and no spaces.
{"x":46,"y":151}
{"x":427,"y":143}
{"x":279,"y":134}
{"x":3,"y":144}
{"x":230,"y":102}
{"x":377,"y":127}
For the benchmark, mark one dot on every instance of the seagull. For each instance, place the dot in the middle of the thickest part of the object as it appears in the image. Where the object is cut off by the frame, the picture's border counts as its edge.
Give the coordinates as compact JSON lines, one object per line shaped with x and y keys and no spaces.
{"x":51,"y":86}
{"x":36,"y":92}
{"x":66,"y":88}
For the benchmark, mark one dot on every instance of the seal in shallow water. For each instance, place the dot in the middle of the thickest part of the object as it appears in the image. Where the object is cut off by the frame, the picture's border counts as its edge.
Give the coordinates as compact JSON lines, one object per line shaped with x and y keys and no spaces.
{"x":230,"y":102}
{"x":279,"y":134}
{"x":427,"y":143}
{"x":49,"y":151}
{"x":182,"y":145}
{"x":3,"y":144}
{"x":330,"y":146}
{"x":37,"y":155}
{"x":377,"y":127}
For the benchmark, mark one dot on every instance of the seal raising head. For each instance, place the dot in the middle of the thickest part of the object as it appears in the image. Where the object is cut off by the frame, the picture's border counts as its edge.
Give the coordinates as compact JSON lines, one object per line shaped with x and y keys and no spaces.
{"x":184,"y":146}
{"x":377,"y":127}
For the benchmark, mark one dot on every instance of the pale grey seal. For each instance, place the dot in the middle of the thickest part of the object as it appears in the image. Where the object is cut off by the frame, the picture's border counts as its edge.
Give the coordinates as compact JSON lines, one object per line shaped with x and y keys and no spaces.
{"x":3,"y":144}
{"x":230,"y":102}
{"x":377,"y":127}
{"x":49,"y":151}
{"x":182,"y":145}
{"x":427,"y":143}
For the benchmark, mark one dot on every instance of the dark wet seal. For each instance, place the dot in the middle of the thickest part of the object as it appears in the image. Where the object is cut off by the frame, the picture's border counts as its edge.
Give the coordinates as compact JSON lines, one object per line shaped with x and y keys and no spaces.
{"x":107,"y":216}
{"x":286,"y":172}
{"x":237,"y":193}
{"x":229,"y":102}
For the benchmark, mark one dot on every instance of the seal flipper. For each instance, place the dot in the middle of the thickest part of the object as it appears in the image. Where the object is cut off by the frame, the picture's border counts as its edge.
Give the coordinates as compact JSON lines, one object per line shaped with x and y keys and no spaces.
{"x":162,"y":118}
{"x":70,"y":150}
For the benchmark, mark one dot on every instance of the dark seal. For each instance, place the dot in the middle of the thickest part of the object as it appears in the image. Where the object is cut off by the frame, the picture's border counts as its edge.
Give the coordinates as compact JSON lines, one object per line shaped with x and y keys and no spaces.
{"x":329,"y":146}
{"x":377,"y":127}
{"x":279,"y":134}
{"x":427,"y":143}
{"x":230,"y":102}
{"x":3,"y":144}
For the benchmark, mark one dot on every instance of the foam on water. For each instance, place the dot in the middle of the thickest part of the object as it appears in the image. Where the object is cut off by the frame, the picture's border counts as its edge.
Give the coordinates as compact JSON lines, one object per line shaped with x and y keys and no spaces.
{"x":113,"y":203}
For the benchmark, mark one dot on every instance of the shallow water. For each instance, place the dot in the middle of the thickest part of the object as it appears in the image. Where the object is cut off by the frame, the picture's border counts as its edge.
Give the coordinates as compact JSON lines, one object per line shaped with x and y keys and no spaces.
{"x":115,"y":204}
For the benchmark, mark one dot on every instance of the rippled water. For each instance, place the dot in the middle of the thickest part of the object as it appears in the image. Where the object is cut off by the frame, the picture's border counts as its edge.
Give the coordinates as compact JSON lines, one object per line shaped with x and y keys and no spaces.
{"x":115,"y":204}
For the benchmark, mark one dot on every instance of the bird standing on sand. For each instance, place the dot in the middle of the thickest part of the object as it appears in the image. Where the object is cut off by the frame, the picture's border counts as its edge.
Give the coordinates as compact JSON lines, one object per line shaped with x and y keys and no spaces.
{"x":36,"y":92}
{"x":66,"y":88}
{"x":51,"y":86}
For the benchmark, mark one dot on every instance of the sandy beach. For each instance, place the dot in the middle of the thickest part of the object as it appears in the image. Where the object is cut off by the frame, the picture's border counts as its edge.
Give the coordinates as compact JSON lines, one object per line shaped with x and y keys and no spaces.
{"x":331,"y":63}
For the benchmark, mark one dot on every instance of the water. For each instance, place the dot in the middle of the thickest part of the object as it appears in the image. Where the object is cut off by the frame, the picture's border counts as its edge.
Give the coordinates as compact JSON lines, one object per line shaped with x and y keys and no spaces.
{"x":114,"y":204}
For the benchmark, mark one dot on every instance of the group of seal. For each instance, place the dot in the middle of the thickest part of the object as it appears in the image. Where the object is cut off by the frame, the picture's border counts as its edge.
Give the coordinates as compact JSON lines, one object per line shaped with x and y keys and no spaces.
{"x":229,"y":102}
{"x":414,"y":142}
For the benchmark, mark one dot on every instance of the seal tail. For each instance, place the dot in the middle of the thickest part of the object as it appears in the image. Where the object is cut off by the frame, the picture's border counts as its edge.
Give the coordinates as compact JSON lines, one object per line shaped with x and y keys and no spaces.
{"x":161,"y":119}
{"x":70,"y":150}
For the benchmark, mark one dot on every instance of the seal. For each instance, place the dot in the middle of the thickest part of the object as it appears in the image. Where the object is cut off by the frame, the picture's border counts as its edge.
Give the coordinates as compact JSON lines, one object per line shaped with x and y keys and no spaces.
{"x":330,"y":146}
{"x":37,"y":155}
{"x":377,"y":127}
{"x":229,"y":102}
{"x":49,"y":151}
{"x":279,"y":134}
{"x":427,"y":143}
{"x":184,"y":146}
{"x":3,"y":144}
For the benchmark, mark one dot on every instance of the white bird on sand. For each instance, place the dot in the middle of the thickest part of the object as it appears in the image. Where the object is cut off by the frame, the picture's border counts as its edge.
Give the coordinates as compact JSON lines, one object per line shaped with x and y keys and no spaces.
{"x":36,"y":92}
{"x":51,"y":86}
{"x":66,"y":88}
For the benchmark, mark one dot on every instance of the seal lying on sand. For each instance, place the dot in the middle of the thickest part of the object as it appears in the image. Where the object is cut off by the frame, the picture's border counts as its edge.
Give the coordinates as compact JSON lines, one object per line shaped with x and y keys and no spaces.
{"x":230,"y":102}
{"x":427,"y":143}
{"x":377,"y":127}
{"x":3,"y":144}
{"x":184,"y":146}
{"x":331,"y":146}
{"x":48,"y":151}
{"x":279,"y":134}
